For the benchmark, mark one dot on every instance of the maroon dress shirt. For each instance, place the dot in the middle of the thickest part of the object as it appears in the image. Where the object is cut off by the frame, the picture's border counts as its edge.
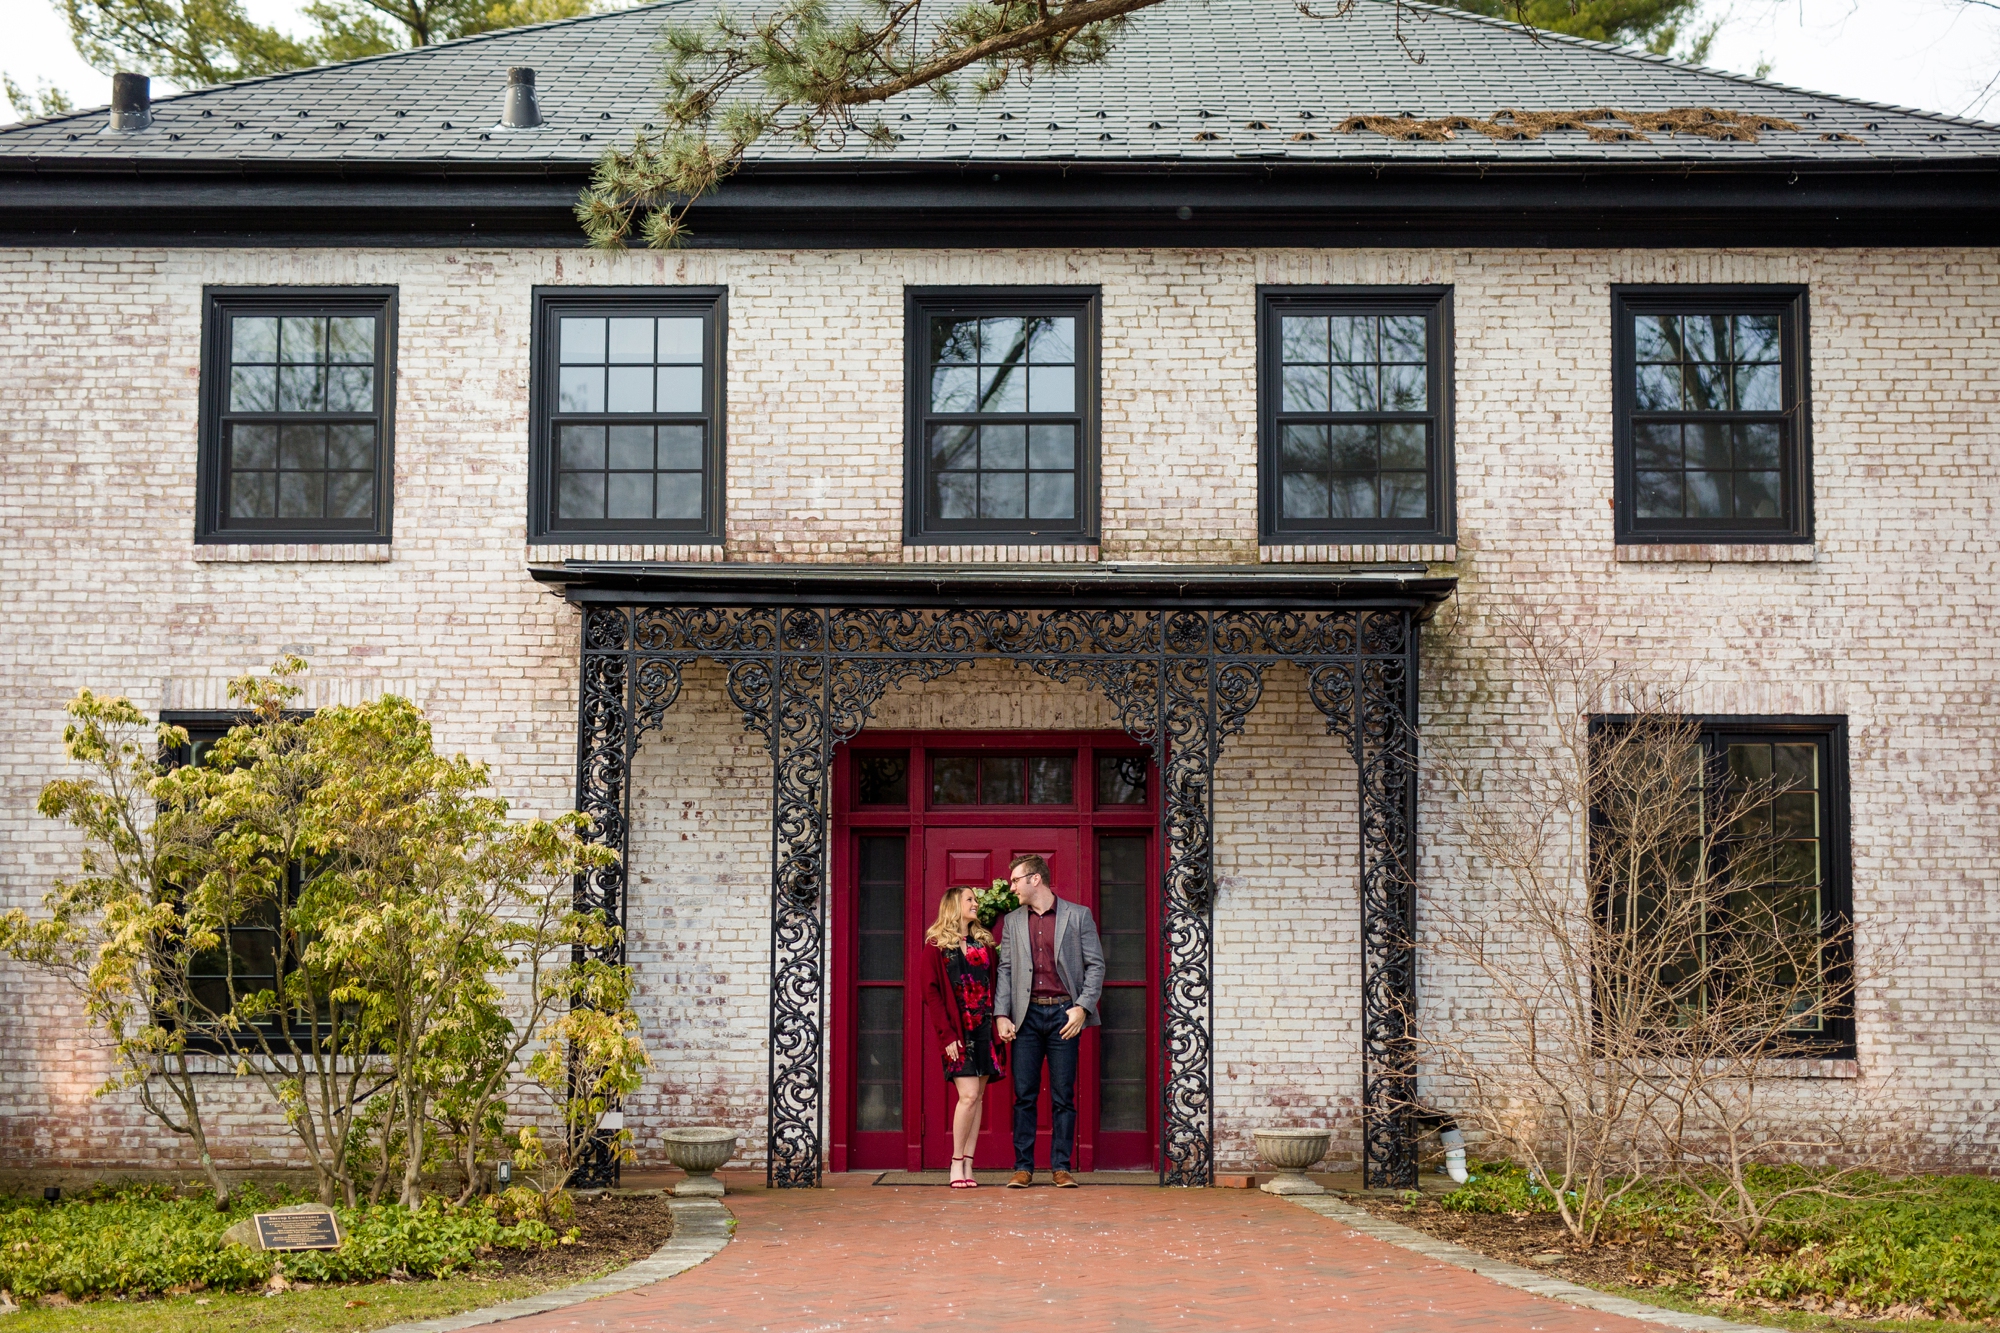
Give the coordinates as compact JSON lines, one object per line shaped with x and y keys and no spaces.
{"x":1042,"y":947}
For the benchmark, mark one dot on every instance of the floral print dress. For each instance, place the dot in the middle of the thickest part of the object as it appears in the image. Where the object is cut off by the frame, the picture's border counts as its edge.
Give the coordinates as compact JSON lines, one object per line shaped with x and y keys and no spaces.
{"x":969,"y":969}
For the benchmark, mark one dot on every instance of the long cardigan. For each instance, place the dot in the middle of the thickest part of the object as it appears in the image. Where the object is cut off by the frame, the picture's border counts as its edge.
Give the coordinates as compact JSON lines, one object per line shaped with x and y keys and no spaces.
{"x":947,"y":1019}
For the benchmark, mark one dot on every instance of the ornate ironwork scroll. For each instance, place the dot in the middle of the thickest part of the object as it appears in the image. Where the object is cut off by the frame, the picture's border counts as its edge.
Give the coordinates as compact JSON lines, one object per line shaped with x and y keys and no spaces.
{"x":806,"y":678}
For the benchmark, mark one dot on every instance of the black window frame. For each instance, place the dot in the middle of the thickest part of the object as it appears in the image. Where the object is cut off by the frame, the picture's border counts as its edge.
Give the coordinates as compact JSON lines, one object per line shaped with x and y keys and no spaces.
{"x":550,"y":304}
{"x":1836,"y":1040}
{"x":1432,"y":301}
{"x":204,"y":727}
{"x":213,"y":526}
{"x":1789,"y":301}
{"x":1085,"y":304}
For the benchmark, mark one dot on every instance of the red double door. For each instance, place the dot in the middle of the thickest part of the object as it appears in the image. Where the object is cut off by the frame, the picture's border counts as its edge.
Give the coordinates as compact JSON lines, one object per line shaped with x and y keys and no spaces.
{"x":896,"y":1107}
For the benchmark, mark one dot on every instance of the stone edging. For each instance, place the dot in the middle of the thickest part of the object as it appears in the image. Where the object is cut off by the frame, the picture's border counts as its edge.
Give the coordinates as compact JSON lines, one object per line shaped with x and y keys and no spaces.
{"x":1509,"y":1275}
{"x":701,"y":1228}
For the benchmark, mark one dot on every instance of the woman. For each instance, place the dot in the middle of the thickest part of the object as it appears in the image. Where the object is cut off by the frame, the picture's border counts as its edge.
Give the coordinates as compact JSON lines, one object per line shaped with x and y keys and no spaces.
{"x":964,"y":962}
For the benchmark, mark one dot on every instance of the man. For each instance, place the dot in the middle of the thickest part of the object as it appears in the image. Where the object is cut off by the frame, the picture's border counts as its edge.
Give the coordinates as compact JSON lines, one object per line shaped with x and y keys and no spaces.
{"x":1051,"y":975}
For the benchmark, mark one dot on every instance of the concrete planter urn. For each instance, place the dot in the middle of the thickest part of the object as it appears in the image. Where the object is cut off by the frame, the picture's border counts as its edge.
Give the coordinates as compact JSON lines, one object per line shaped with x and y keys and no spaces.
{"x":1292,"y":1151}
{"x":699,"y":1151}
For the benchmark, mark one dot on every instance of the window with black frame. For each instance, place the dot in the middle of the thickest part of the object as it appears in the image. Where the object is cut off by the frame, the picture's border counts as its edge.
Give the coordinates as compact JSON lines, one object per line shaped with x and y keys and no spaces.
{"x":253,"y":954}
{"x":627,"y":414}
{"x":295,"y":414}
{"x":1773,"y":806}
{"x":1355,"y":414}
{"x":1711,"y":428}
{"x":1002,"y":408}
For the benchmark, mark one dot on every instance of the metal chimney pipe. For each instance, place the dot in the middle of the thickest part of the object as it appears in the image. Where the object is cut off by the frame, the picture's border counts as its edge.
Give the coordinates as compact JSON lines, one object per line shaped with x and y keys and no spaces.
{"x":520,"y":112}
{"x":131,"y":101}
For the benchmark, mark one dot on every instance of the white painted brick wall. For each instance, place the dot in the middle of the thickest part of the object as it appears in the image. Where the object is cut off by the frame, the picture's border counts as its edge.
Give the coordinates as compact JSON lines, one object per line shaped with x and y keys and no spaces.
{"x":1890,"y":622}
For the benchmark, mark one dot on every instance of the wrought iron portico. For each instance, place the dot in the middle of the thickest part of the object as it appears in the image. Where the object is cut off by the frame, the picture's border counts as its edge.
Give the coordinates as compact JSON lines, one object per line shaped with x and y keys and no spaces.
{"x":807,"y":650}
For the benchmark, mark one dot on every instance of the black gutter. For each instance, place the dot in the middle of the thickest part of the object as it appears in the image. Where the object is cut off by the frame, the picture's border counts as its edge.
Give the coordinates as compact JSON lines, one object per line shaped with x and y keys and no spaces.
{"x":1034,"y":204}
{"x":1049,"y":587}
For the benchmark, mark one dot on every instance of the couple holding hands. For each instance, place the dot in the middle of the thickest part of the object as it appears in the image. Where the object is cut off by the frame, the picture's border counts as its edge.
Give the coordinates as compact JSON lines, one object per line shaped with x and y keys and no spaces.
{"x":1032,"y":993}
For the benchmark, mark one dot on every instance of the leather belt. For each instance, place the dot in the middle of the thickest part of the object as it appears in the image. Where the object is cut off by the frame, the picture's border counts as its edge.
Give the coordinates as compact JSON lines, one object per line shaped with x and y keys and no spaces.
{"x":1047,"y":1000}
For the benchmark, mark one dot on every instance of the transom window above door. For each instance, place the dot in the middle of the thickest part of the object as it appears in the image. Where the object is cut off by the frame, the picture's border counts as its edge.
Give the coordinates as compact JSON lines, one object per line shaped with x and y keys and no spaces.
{"x":1002,"y":414}
{"x":1355,"y":414}
{"x":295,"y":406}
{"x":627,"y":415}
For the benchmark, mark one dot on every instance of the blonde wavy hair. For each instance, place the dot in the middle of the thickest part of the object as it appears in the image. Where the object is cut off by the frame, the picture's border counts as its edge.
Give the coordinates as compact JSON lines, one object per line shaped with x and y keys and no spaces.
{"x":950,"y":930}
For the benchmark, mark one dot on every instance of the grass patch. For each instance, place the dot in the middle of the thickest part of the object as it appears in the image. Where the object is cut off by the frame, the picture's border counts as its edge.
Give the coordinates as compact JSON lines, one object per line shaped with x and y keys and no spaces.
{"x":1918,"y":1249}
{"x":330,"y":1309}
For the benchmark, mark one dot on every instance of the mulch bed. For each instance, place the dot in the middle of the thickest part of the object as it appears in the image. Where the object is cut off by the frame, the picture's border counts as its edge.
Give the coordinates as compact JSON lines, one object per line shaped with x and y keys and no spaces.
{"x":1538,"y":1240}
{"x":617,"y":1229}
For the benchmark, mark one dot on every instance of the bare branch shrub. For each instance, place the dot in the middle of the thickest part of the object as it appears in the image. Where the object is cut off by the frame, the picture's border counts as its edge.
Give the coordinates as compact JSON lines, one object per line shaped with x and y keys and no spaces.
{"x":1650,"y":952}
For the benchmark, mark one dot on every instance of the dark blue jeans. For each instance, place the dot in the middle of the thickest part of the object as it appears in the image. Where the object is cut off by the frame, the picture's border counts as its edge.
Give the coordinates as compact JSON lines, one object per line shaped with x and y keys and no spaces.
{"x":1035,"y":1042}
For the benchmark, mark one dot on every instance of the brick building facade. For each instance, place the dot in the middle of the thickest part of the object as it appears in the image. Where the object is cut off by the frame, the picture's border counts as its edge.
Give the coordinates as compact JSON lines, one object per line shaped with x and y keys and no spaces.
{"x":1873,"y":609}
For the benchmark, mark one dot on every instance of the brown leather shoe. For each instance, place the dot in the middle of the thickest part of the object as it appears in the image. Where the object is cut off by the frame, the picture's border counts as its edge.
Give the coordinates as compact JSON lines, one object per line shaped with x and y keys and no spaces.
{"x":1020,"y":1180}
{"x":1064,"y":1180}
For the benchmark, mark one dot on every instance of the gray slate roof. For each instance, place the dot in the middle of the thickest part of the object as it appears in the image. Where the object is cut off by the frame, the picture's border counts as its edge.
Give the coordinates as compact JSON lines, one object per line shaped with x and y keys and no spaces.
{"x":1188,"y":68}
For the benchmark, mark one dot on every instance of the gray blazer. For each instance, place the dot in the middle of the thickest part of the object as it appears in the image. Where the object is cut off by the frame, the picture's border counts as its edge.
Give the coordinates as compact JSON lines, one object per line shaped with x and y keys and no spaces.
{"x":1079,"y":962}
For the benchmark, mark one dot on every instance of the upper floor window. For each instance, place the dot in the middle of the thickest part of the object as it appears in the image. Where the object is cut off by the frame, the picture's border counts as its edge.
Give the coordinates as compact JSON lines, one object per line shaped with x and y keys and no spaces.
{"x":295,"y":417}
{"x":1354,"y":414}
{"x":626,"y":412}
{"x":1002,"y":414}
{"x":1711,"y":438}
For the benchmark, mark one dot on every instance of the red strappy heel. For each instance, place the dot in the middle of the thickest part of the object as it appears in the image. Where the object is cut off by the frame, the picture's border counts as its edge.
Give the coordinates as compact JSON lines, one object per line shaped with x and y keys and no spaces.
{"x":968,"y":1183}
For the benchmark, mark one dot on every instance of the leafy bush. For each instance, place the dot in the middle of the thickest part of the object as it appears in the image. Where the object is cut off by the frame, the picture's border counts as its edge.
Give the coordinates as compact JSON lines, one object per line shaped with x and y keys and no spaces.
{"x":147,"y":1239}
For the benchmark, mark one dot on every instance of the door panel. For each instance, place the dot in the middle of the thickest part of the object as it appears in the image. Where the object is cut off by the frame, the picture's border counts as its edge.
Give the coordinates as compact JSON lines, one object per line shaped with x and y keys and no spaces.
{"x":954,"y":857}
{"x":882,"y":997}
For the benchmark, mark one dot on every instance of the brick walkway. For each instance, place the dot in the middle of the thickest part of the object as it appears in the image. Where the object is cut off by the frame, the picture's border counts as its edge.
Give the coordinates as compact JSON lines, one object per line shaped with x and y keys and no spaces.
{"x":1072,"y":1261}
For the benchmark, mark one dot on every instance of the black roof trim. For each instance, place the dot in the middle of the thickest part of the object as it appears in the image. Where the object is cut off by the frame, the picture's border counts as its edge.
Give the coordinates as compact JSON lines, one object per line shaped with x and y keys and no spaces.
{"x":1033,"y":204}
{"x":1038,"y":587}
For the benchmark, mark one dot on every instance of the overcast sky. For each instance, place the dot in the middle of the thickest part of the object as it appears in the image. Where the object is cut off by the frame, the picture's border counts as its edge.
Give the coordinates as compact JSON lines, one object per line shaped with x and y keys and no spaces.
{"x":1937,"y":55}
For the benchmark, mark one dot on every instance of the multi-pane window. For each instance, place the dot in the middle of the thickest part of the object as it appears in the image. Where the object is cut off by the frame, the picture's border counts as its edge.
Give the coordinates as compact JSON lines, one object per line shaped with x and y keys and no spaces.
{"x":1765,"y":923}
{"x":1002,"y":415}
{"x":1355,"y":414}
{"x":1711,"y":414}
{"x":295,"y":415}
{"x":1003,"y":780}
{"x":627,"y":414}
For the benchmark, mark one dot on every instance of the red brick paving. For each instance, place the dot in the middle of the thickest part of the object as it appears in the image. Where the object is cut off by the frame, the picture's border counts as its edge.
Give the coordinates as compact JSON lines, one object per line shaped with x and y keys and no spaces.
{"x":901,"y":1260}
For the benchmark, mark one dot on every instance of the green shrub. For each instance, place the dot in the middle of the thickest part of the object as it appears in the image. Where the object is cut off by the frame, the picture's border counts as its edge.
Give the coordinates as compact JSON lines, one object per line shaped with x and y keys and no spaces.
{"x":146,"y":1239}
{"x":1499,"y":1187}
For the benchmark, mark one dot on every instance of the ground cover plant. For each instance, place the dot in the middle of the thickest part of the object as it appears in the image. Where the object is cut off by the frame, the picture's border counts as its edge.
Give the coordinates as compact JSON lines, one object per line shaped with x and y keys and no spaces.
{"x":151,"y":1257}
{"x":1911,"y":1249}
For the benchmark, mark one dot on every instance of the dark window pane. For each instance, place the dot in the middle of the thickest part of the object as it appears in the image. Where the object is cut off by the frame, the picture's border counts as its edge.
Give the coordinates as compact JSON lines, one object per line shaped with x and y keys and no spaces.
{"x":879,"y":1059}
{"x":1758,"y":389}
{"x":1303,"y":448}
{"x":681,"y":448}
{"x":883,"y":779}
{"x":1659,"y":388}
{"x":1052,"y":340}
{"x":1052,"y":446}
{"x":1707,"y":388}
{"x":1405,"y":388}
{"x":1002,"y":339}
{"x":628,"y":495}
{"x":1659,"y":494}
{"x":1658,"y":337}
{"x":1302,"y":338}
{"x":631,"y":447}
{"x":350,"y":389}
{"x":954,"y":447}
{"x":955,"y":389}
{"x":677,"y":495}
{"x":1355,"y":448}
{"x":1707,"y":338}
{"x":580,"y":495}
{"x":350,"y":494}
{"x":1758,"y":445}
{"x":253,"y":495}
{"x":1304,"y":495}
{"x":253,"y":445}
{"x":253,"y":389}
{"x":582,"y":447}
{"x":1122,"y":859}
{"x":1305,"y":389}
{"x":1656,"y":446}
{"x":1757,"y":337}
{"x":954,"y":340}
{"x":1003,"y":447}
{"x":1757,"y":494}
{"x":301,"y":495}
{"x":1000,"y":781}
{"x":351,"y":445}
{"x":1351,"y":338}
{"x":1049,"y":780}
{"x":1355,"y":497}
{"x":1405,"y":338}
{"x":1707,"y":445}
{"x":301,"y":388}
{"x":955,"y":495}
{"x":1750,"y":764}
{"x":1795,"y":765}
{"x":350,"y":339}
{"x":253,"y":338}
{"x":1122,"y":1054}
{"x":302,"y":339}
{"x":1052,"y":495}
{"x":1003,"y":495}
{"x":301,"y":446}
{"x":881,"y":861}
{"x":1404,"y":444}
{"x":1355,"y":389}
{"x":1404,"y":495}
{"x":1121,"y":779}
{"x":954,"y":781}
{"x":1709,"y":495}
